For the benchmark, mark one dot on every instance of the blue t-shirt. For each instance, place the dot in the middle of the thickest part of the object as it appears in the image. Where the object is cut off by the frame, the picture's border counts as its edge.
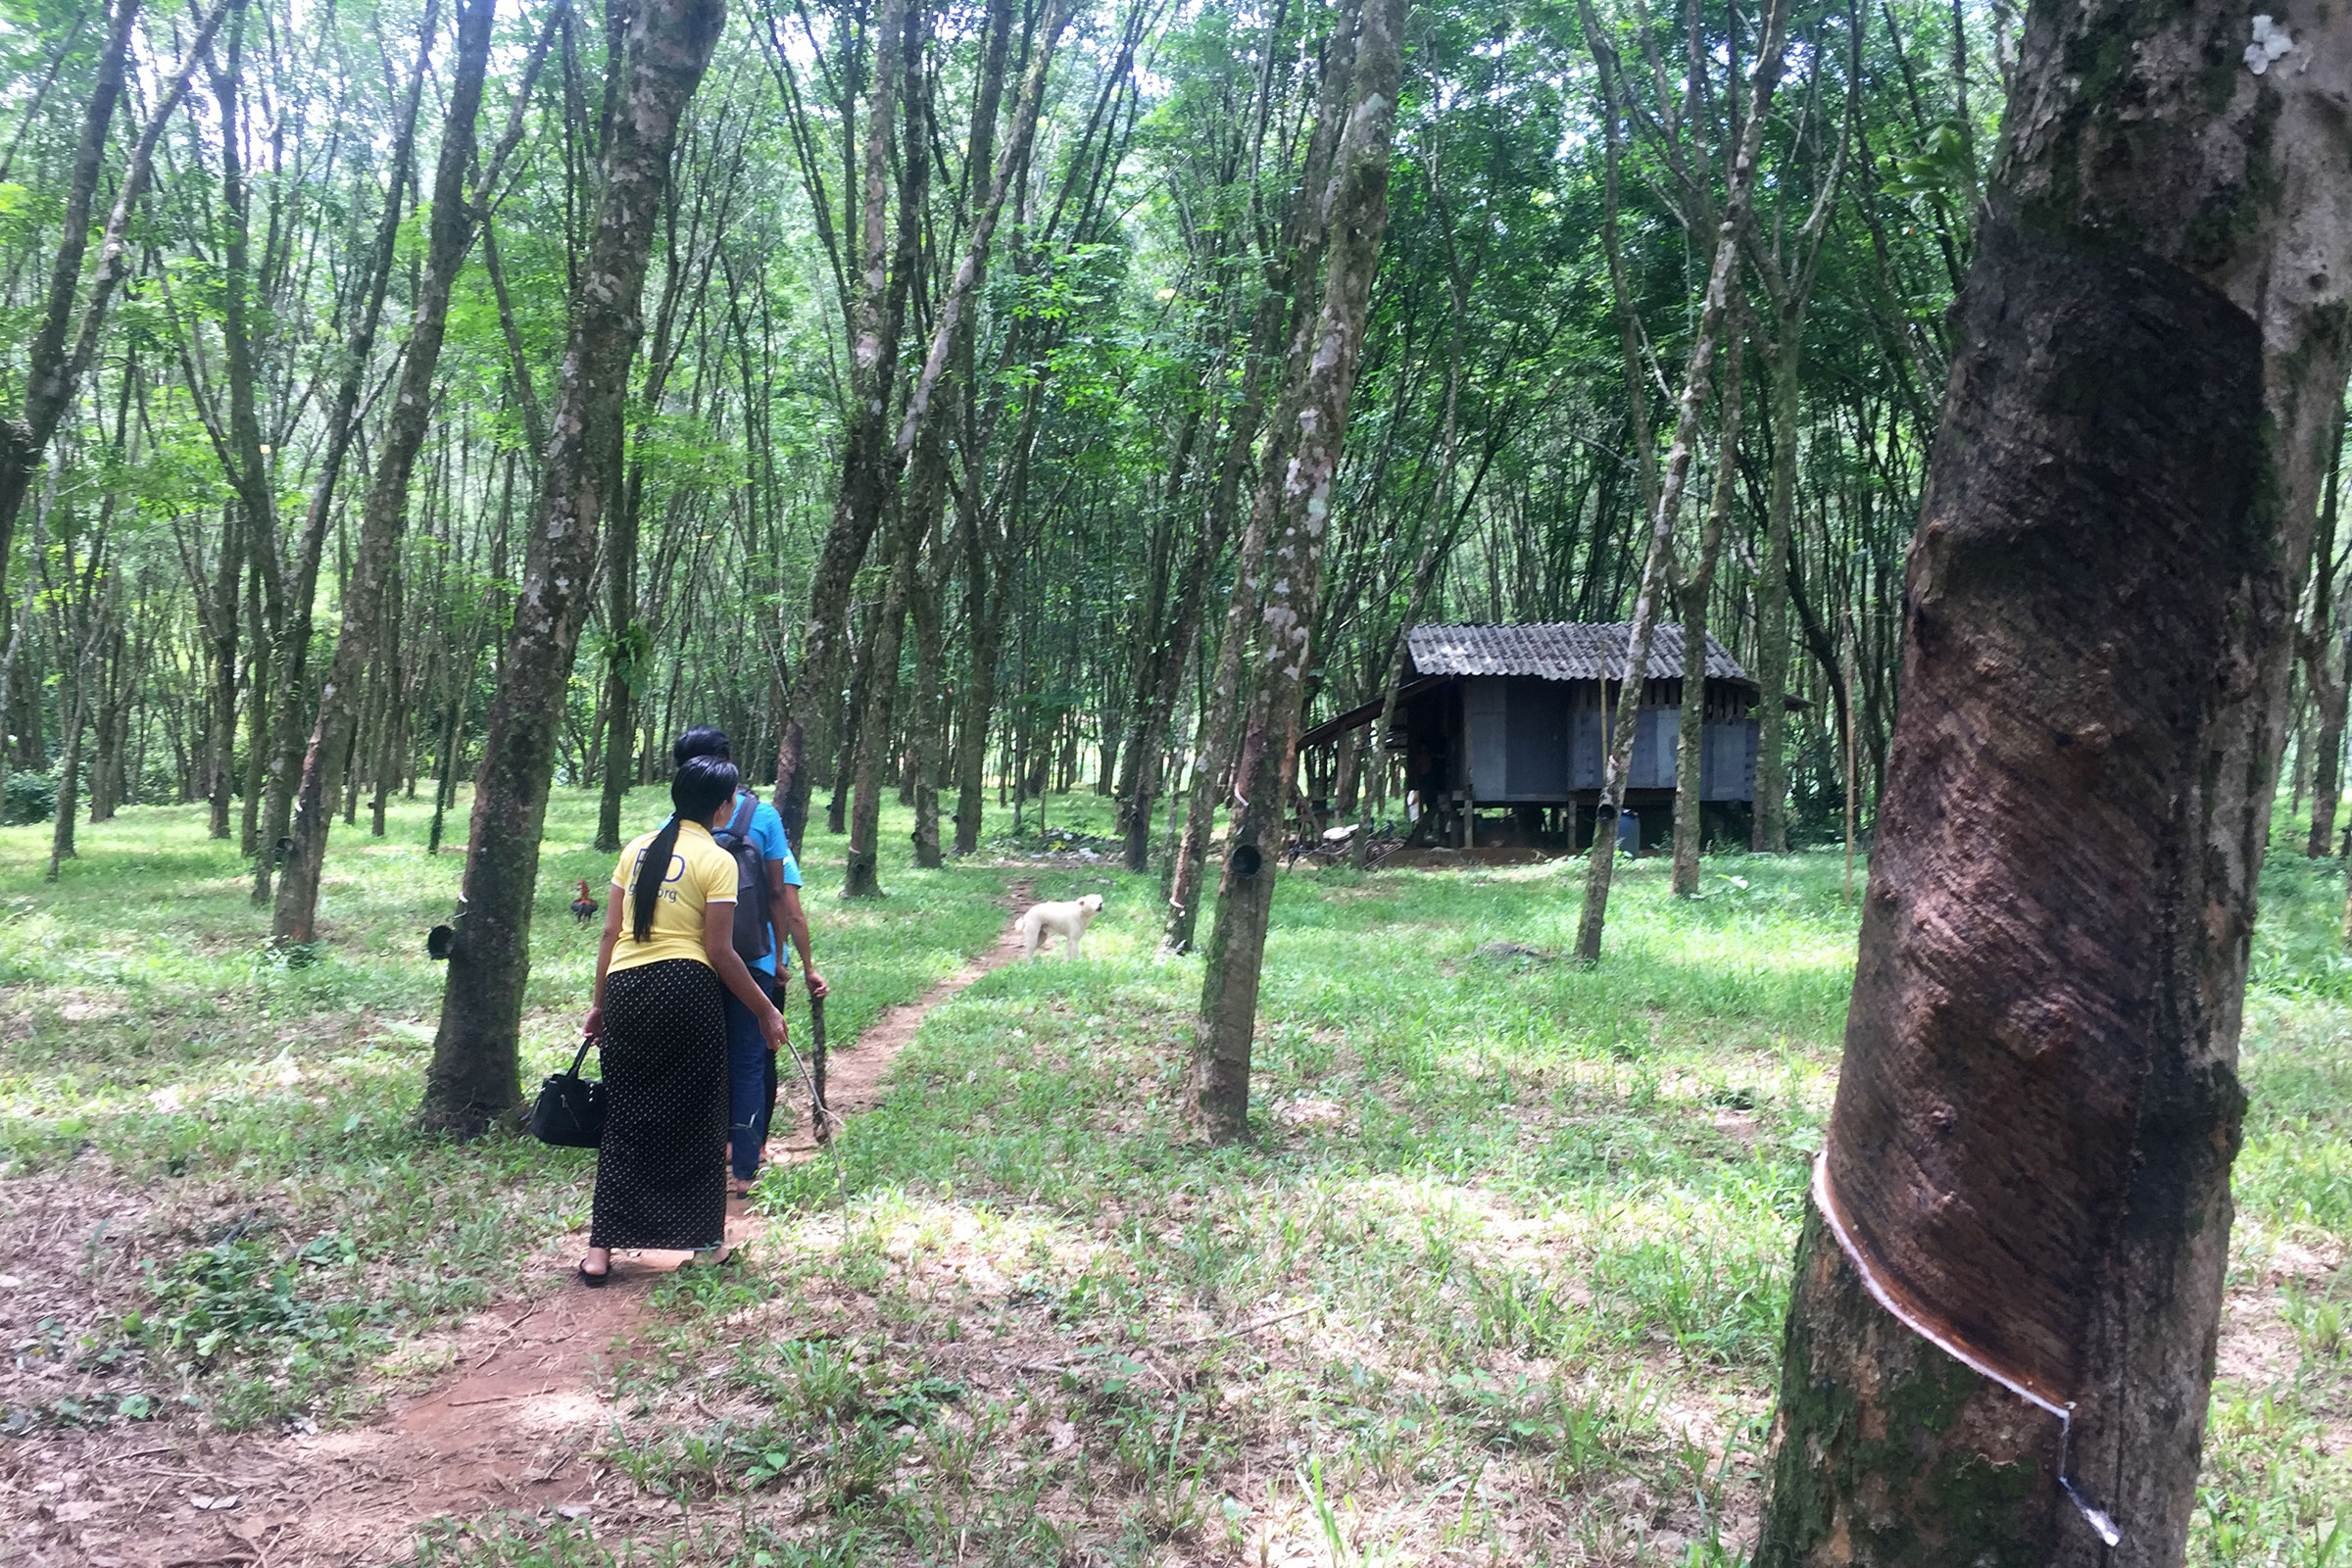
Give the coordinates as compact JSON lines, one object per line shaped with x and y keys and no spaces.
{"x":768,"y":831}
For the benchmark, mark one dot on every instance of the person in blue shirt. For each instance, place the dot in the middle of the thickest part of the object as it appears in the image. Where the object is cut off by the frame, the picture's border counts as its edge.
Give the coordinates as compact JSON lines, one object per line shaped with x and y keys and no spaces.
{"x":750,"y":1059}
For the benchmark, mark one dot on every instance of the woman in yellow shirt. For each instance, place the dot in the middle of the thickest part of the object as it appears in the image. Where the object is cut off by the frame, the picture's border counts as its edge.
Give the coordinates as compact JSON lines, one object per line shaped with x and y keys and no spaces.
{"x":660,"y":1171}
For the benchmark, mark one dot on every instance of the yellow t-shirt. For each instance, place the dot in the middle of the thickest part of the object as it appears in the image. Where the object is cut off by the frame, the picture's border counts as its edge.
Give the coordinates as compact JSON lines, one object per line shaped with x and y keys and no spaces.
{"x":700,"y":874}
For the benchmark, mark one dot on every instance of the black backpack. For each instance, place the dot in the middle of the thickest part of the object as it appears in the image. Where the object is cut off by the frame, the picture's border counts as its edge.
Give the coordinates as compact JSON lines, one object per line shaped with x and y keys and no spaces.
{"x":751,"y":940}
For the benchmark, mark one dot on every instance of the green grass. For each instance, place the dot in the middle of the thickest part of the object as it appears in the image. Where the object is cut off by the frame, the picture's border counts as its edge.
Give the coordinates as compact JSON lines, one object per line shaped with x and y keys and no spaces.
{"x":1500,"y":1279}
{"x":259,"y":1116}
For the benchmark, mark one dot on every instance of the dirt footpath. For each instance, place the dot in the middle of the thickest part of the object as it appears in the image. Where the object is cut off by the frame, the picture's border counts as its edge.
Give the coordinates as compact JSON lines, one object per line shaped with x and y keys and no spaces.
{"x":512,"y":1427}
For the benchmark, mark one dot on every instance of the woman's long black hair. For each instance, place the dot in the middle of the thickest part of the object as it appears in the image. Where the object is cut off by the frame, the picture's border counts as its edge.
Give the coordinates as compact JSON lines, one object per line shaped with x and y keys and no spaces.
{"x":700,"y":786}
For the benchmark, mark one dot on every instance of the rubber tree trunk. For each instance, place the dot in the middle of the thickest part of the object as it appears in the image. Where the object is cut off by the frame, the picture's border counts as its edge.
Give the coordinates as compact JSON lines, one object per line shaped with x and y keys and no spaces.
{"x":983,"y":614}
{"x":884,"y":275}
{"x":1149,"y":746}
{"x":221,"y":728}
{"x":1292,"y":280}
{"x":385,"y":510}
{"x":1220,"y":719}
{"x":1155,"y":663}
{"x":1717,"y":303}
{"x":243,"y":460}
{"x":1770,"y":833}
{"x":472,"y":1082}
{"x":48,"y":391}
{"x":921,"y":438}
{"x":291,"y":655}
{"x":1689,"y":754}
{"x":862,"y":874}
{"x":628,"y":654}
{"x":107,"y":728}
{"x":2030,"y":1144}
{"x":1359,"y":205}
{"x":930,"y":653}
{"x":2327,"y":668}
{"x":69,"y":767}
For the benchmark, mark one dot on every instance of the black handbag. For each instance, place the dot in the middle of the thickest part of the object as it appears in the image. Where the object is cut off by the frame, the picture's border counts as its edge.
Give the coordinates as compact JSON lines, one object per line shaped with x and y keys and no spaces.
{"x":571,"y":1113}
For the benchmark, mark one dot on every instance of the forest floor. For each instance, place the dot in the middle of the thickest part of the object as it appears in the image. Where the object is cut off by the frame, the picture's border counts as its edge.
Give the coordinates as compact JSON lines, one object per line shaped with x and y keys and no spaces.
{"x":1500,"y":1279}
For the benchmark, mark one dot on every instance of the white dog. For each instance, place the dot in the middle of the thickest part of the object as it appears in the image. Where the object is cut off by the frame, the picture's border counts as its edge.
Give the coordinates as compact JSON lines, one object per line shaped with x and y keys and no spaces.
{"x":1067,"y":921}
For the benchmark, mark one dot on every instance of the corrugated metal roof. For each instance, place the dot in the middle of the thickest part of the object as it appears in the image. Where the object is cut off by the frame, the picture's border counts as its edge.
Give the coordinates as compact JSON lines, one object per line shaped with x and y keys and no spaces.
{"x":1556,"y":650}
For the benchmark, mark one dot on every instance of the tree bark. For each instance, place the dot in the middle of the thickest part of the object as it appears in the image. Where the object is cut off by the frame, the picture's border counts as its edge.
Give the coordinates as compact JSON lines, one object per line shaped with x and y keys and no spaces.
{"x":238,"y":444}
{"x":1770,"y":831}
{"x":1358,"y":208}
{"x":449,"y":237}
{"x":69,"y":769}
{"x":473,"y":1082}
{"x":2328,"y":672}
{"x":984,"y":612}
{"x":291,"y":657}
{"x":1690,"y":741}
{"x":220,"y":647}
{"x":925,"y":722}
{"x":883,"y":280}
{"x":1292,"y":276}
{"x":48,"y":389}
{"x":861,"y":872}
{"x":1736,"y":194}
{"x":2030,"y":1144}
{"x":918,"y":439}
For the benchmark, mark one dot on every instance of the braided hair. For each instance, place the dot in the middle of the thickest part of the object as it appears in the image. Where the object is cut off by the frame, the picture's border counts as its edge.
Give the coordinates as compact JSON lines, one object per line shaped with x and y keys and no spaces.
{"x":700,"y":786}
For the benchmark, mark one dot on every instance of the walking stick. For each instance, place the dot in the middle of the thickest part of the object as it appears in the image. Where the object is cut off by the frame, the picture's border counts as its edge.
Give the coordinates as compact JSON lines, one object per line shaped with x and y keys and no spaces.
{"x":820,"y":1120}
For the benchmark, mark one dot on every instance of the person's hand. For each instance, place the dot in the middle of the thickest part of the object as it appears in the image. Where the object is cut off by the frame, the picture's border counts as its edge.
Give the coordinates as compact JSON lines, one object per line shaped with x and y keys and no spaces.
{"x":772,"y":1026}
{"x":594,"y":1027}
{"x":816,"y":985}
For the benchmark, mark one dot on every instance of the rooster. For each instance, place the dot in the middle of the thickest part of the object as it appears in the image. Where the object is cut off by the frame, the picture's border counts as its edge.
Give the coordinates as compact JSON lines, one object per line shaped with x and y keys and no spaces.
{"x":584,"y":909}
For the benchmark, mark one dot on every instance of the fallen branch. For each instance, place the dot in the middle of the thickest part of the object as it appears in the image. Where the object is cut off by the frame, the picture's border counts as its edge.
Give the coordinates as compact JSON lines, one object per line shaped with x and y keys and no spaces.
{"x":1235,"y":1334}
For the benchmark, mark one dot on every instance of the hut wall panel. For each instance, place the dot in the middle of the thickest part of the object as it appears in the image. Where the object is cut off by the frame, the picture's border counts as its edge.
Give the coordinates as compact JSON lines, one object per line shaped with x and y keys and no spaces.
{"x":1587,"y":756}
{"x":1653,"y":750}
{"x":1485,"y":707}
{"x":1538,"y":741}
{"x":1728,"y":756}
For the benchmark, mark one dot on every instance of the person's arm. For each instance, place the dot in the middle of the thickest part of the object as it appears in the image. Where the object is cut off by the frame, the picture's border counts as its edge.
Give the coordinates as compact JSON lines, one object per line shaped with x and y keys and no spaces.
{"x":796,"y":926}
{"x":719,"y":946}
{"x":595,"y":1026}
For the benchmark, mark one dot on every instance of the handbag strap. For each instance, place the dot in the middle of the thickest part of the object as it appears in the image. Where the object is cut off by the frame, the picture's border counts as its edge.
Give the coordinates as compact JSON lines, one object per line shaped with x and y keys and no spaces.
{"x":585,"y":1041}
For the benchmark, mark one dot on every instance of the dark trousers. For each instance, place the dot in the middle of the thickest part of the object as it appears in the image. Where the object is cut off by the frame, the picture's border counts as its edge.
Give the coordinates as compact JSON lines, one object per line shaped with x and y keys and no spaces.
{"x":752,"y":1083}
{"x":665,"y":1060}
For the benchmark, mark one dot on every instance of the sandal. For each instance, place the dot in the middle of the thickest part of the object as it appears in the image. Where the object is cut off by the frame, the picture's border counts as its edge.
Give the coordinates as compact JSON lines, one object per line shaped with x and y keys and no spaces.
{"x":596,"y":1282}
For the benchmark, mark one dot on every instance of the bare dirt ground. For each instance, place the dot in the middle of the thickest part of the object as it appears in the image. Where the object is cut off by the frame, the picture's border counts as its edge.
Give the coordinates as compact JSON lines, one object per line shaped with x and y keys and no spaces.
{"x":511,"y":1427}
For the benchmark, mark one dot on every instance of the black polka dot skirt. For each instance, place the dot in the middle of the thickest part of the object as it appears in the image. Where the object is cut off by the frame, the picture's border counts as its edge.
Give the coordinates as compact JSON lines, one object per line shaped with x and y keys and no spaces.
{"x":660,"y":1171}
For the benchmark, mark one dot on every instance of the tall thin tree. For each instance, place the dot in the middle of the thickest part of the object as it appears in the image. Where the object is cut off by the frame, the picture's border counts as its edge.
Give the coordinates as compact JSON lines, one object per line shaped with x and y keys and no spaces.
{"x":449,"y":236}
{"x":1358,"y":203}
{"x":1633,"y":672}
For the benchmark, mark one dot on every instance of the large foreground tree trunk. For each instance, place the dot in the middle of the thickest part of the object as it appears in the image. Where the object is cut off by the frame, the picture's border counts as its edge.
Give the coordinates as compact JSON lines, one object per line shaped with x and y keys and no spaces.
{"x":2031,"y":1147}
{"x":474,"y":1079}
{"x":1358,"y":208}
